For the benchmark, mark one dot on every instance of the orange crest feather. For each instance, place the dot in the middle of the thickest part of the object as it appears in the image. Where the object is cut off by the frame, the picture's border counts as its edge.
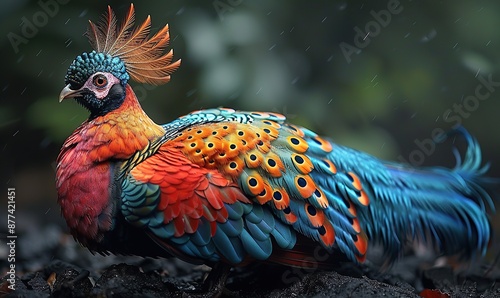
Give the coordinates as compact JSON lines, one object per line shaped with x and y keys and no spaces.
{"x":144,"y":57}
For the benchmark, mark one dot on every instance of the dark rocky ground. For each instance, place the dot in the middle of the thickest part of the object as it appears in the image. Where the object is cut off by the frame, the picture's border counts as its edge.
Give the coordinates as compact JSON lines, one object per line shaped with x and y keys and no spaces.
{"x":50,"y":264}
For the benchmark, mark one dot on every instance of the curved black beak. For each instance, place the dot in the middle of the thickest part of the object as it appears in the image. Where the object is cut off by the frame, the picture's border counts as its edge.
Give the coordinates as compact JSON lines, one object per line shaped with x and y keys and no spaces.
{"x":67,"y":92}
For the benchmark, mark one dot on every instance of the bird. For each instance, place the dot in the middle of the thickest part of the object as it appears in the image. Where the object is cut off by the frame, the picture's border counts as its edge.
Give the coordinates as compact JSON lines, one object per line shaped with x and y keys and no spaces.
{"x":230,"y":188}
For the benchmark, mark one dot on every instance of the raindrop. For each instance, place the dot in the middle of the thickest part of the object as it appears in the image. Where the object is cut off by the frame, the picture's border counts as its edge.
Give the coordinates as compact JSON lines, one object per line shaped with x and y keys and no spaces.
{"x":258,"y":91}
{"x":407,"y":35}
{"x":292,"y":28}
{"x":40,"y":73}
{"x":233,"y":96}
{"x":282,"y":32}
{"x":180,"y":11}
{"x":429,"y":36}
{"x":322,"y":21}
{"x":20,"y":58}
{"x":67,"y":21}
{"x":330,"y":101}
{"x":15,"y":133}
{"x":342,"y":6}
{"x":22,"y":92}
{"x":455,"y":45}
{"x":191,"y":92}
{"x":447,"y":114}
{"x":46,"y":212}
{"x":295,"y":80}
{"x":457,"y":20}
{"x":477,"y":73}
{"x":488,"y":43}
{"x":437,"y":118}
{"x":272,"y":47}
{"x":308,"y":48}
{"x":269,"y":13}
{"x":413,"y":115}
{"x":83,"y":13}
{"x":329,"y":58}
{"x":38,"y":53}
{"x":374,"y":78}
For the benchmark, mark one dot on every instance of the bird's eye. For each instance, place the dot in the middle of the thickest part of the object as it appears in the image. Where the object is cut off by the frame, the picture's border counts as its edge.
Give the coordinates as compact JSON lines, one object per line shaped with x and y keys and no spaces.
{"x":100,"y":81}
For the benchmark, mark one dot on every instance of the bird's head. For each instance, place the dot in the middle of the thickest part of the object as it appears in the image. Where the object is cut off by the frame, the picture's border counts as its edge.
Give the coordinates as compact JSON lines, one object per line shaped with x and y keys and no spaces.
{"x":97,"y":80}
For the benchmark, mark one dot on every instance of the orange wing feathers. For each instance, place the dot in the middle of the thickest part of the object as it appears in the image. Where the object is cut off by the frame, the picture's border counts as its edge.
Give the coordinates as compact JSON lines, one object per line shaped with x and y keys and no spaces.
{"x":188,"y":192}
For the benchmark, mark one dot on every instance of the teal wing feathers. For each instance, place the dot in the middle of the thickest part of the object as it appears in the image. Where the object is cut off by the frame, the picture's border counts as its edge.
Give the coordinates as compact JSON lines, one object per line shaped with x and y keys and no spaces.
{"x":197,"y":214}
{"x":249,"y":180}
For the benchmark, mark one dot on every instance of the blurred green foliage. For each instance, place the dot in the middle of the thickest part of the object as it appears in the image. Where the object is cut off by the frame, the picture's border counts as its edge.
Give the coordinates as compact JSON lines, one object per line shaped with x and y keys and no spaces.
{"x":281,"y":56}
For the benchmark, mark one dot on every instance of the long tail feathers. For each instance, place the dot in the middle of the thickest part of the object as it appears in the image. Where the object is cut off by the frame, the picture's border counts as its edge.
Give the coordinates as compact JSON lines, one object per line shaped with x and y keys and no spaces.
{"x":441,"y":207}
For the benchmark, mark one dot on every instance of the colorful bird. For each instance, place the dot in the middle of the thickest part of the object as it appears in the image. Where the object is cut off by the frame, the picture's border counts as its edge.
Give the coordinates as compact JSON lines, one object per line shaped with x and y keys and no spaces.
{"x":228,"y":187}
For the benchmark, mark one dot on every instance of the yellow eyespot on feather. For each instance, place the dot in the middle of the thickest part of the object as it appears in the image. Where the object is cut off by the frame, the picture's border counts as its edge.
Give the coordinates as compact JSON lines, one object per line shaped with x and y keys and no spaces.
{"x":234,"y":167}
{"x":281,"y":199}
{"x":297,"y":144}
{"x":253,"y":158}
{"x":330,"y":166}
{"x":305,"y":185}
{"x":316,"y":216}
{"x":273,"y":165}
{"x":327,"y":233}
{"x":255,"y":183}
{"x":290,"y":217}
{"x":362,"y":197}
{"x":320,"y":198}
{"x":296,"y":130}
{"x":272,"y":124}
{"x":266,"y":195}
{"x":324,"y":144}
{"x":302,"y":163}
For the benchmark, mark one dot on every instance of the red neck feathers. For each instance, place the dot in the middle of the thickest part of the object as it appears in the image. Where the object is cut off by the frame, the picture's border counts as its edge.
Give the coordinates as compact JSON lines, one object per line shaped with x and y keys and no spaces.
{"x":85,"y":166}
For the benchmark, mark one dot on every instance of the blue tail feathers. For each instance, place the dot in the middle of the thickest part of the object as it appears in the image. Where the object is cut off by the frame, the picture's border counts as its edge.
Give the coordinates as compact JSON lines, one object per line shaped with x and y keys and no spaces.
{"x":441,"y":207}
{"x":445,"y":208}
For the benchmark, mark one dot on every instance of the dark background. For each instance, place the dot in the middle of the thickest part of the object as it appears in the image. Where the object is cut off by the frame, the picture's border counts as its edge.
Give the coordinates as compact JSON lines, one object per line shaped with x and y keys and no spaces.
{"x":281,"y":56}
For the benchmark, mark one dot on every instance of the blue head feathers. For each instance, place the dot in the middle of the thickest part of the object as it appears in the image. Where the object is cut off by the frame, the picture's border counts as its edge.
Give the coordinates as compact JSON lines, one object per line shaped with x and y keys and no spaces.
{"x":89,"y":63}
